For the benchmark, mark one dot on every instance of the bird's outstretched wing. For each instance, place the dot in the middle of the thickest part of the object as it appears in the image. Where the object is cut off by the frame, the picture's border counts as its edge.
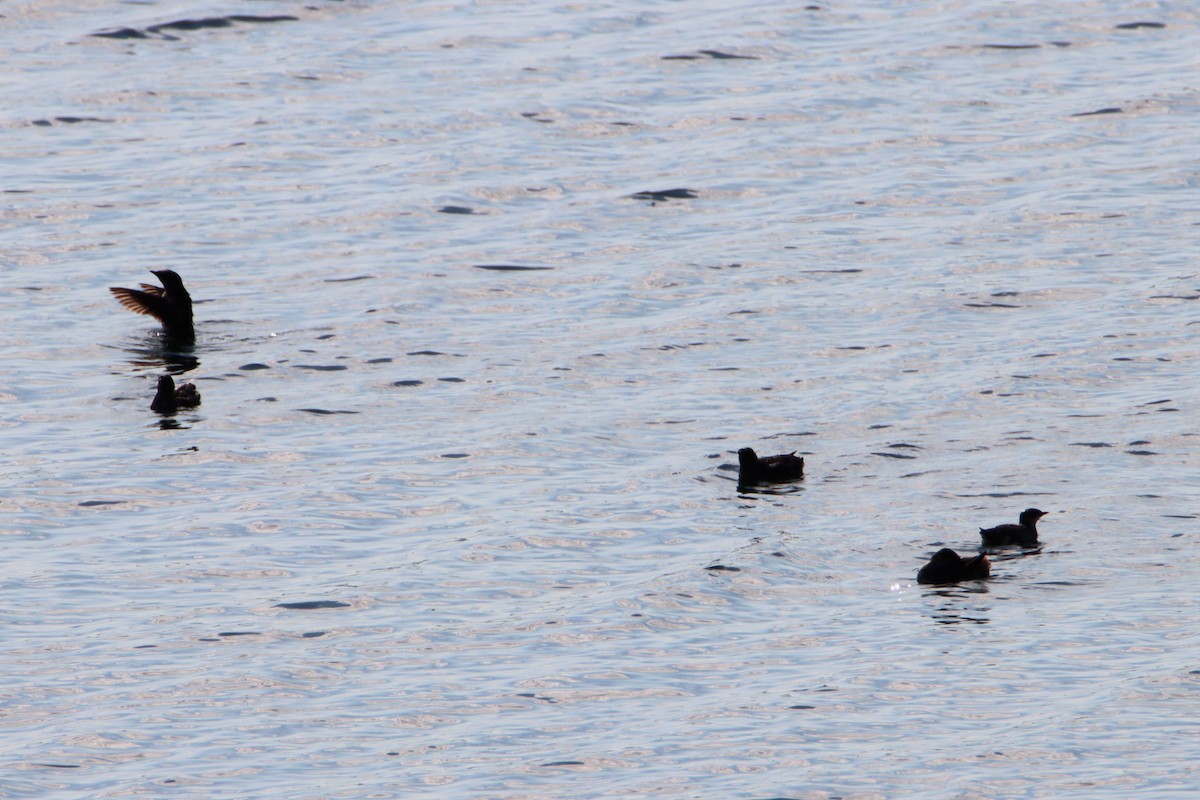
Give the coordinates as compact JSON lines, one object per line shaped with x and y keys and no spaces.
{"x":150,"y":303}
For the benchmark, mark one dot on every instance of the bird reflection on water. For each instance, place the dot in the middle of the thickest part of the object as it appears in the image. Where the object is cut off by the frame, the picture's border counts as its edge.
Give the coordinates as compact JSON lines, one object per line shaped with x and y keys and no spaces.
{"x":958,"y":604}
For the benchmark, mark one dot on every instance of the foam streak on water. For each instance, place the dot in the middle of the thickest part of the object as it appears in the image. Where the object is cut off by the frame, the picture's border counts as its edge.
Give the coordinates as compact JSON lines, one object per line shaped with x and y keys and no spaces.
{"x":458,"y":515}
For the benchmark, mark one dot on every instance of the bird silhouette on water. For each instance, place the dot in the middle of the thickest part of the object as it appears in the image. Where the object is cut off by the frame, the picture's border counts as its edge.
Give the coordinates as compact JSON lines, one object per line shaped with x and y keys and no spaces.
{"x":170,"y":304}
{"x":1024,"y":533}
{"x":170,"y":398}
{"x":768,"y":469}
{"x":947,"y":566}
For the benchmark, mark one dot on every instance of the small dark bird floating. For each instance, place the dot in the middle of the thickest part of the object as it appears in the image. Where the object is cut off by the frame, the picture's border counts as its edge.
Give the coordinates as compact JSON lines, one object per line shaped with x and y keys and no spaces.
{"x":170,"y":304}
{"x":947,"y":566}
{"x":768,"y":469}
{"x":170,"y":398}
{"x":1023,"y":533}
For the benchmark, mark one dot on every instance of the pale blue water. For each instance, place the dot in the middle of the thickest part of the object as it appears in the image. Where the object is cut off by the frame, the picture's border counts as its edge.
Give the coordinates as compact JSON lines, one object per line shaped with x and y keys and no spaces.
{"x":913,"y":256}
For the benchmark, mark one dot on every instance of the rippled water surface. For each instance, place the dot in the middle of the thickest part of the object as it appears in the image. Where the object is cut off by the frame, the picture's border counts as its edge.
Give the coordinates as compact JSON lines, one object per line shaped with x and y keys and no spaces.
{"x":488,"y":297}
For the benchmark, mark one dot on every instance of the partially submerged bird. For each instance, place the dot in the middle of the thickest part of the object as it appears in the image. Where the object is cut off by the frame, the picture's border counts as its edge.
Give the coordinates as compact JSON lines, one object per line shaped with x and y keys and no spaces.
{"x":768,"y":469}
{"x":947,"y":566}
{"x":170,"y":304}
{"x":170,"y":397}
{"x":1023,"y":533}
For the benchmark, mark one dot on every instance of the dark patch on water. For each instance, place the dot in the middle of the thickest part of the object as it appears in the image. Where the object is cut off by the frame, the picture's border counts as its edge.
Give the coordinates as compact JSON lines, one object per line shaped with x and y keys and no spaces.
{"x":717,"y":54}
{"x":457,"y":210}
{"x":350,"y":280}
{"x":959,"y":619}
{"x":990,"y":305}
{"x":456,"y":455}
{"x":384,"y":360}
{"x":312,"y":635}
{"x":746,"y":492}
{"x":1090,"y":444}
{"x":407,"y":383}
{"x":94,"y":503}
{"x":1099,"y":111}
{"x":723,"y":568}
{"x":68,"y":121}
{"x":830,"y":271}
{"x":663,"y":195}
{"x":713,"y":54}
{"x":121,"y":33}
{"x":510,"y":267}
{"x":231,"y":634}
{"x":308,"y":605}
{"x":191,"y":25}
{"x":1012,"y":46}
{"x":1139,"y":442}
{"x":1132,"y":26}
{"x":1141,"y":452}
{"x":542,"y":697}
{"x":892,"y":455}
{"x":322,"y":367}
{"x":58,"y":766}
{"x":452,"y":380}
{"x":326,"y":411}
{"x":217,"y":22}
{"x":563,"y":764}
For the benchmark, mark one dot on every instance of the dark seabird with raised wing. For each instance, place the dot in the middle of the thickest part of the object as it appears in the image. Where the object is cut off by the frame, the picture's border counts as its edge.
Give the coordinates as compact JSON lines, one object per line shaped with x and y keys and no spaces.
{"x":170,"y":304}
